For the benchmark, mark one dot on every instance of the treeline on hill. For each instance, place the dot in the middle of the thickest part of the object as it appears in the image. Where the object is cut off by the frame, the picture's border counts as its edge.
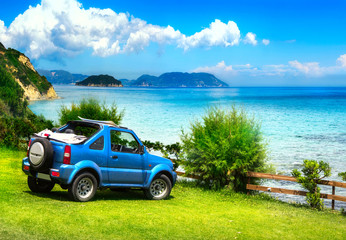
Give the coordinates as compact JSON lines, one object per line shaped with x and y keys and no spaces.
{"x":17,"y":122}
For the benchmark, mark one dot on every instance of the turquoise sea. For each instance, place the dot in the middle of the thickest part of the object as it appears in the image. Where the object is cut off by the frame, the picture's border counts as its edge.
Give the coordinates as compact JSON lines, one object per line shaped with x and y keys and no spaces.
{"x":298,"y":123}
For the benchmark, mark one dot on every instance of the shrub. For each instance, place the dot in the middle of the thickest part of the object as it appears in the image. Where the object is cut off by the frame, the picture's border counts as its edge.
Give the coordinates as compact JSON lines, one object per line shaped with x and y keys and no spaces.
{"x":167,"y":150}
{"x":312,"y":171}
{"x":90,"y":108}
{"x":223,"y":147}
{"x":15,"y":132}
{"x":343,"y":176}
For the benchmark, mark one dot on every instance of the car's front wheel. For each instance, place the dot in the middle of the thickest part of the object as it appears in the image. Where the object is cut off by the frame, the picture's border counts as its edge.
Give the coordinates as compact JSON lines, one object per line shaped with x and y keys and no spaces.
{"x":160,"y":188}
{"x":39,"y":185}
{"x":83,"y":188}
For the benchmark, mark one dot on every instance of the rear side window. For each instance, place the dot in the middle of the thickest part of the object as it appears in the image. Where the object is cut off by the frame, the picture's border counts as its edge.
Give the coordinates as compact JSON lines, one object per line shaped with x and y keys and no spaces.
{"x":98,"y":144}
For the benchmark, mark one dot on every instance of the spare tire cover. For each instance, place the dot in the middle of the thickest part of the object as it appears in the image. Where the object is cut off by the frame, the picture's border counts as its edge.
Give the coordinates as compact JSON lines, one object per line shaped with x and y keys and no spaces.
{"x":40,"y":154}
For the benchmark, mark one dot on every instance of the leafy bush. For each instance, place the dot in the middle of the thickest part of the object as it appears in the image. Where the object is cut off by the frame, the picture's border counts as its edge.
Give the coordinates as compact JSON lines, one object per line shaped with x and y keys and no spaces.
{"x":312,"y":171}
{"x":90,"y":108}
{"x":223,"y":147}
{"x":167,"y":150}
{"x":15,"y":132}
{"x":343,"y":176}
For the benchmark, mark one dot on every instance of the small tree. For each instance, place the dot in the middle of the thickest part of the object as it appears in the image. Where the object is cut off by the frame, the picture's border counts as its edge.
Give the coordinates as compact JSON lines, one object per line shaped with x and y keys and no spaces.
{"x":90,"y":108}
{"x":223,"y":147}
{"x":311,"y":174}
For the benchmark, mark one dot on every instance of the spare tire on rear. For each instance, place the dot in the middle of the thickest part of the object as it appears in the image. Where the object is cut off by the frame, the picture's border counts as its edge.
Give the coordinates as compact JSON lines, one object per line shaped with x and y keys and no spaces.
{"x":40,"y":154}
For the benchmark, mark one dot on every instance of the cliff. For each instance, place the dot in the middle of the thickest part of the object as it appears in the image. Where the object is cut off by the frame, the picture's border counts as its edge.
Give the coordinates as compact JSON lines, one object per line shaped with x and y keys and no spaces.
{"x":178,"y":80}
{"x":100,"y":81}
{"x":20,"y":70}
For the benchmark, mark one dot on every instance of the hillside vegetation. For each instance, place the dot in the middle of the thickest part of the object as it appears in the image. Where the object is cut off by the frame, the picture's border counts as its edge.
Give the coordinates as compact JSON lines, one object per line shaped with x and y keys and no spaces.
{"x":190,"y":213}
{"x":23,"y":74}
{"x":17,"y":79}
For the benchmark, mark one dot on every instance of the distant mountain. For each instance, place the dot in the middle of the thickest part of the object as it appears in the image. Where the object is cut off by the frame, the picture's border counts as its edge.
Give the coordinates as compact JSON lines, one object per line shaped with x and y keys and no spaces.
{"x":61,"y":76}
{"x":177,"y":80}
{"x":100,"y":81}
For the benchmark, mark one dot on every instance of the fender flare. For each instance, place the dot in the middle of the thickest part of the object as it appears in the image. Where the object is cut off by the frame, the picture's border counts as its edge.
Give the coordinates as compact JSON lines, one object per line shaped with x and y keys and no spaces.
{"x":85,"y":165}
{"x":157,"y":170}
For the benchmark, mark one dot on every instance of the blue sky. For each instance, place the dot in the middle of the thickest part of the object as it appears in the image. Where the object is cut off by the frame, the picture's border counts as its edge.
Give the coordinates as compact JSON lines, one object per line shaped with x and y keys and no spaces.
{"x":245,"y":43}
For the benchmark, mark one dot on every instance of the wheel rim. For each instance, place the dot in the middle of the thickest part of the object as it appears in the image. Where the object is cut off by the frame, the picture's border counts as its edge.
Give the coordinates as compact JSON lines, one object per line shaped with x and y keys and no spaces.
{"x":36,"y":153}
{"x":85,"y":187}
{"x":158,"y":188}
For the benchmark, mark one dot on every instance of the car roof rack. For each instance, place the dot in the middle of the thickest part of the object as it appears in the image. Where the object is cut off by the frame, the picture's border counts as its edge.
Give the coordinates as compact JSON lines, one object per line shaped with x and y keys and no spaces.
{"x":98,"y":121}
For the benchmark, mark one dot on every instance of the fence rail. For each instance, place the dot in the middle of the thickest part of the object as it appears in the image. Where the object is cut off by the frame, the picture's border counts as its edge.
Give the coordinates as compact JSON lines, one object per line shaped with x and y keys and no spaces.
{"x":332,"y":196}
{"x":249,"y":186}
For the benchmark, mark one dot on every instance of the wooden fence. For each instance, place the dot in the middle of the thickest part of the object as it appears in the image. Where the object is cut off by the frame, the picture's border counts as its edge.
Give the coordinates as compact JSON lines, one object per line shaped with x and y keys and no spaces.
{"x":332,"y":196}
{"x":249,"y":186}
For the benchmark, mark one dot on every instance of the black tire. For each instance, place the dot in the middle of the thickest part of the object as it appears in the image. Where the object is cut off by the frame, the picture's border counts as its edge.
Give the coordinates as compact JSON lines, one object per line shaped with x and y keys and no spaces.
{"x":40,"y":154}
{"x":83,"y":187}
{"x":39,"y":185}
{"x":160,"y":188}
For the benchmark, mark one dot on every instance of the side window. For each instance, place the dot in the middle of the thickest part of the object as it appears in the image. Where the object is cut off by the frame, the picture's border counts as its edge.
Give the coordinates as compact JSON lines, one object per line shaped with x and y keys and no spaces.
{"x":123,"y":142}
{"x":98,"y":144}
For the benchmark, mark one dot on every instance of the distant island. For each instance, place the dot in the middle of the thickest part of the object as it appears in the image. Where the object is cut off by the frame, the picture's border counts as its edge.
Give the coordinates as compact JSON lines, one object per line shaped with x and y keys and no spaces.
{"x":100,"y":81}
{"x":171,"y":80}
{"x":177,"y":80}
{"x":61,"y":76}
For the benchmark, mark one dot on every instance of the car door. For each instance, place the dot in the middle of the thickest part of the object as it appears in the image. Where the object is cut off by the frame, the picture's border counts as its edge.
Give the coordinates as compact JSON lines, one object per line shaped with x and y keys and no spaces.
{"x":125,"y":164}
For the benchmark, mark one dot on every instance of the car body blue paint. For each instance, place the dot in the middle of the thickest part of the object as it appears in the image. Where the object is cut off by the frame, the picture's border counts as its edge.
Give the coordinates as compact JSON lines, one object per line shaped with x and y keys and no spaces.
{"x":114,"y":169}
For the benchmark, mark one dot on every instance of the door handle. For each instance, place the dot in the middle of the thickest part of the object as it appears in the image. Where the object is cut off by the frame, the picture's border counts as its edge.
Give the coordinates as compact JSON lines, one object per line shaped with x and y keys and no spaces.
{"x":114,"y":157}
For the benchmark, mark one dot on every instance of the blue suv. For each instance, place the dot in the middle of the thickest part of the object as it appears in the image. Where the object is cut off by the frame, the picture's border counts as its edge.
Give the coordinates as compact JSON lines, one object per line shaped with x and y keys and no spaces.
{"x":82,"y":156}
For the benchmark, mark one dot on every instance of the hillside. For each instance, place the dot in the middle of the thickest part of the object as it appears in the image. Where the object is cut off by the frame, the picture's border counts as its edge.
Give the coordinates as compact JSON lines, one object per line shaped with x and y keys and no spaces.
{"x":61,"y":76}
{"x":179,"y":79}
{"x":100,"y":81}
{"x":17,"y":70}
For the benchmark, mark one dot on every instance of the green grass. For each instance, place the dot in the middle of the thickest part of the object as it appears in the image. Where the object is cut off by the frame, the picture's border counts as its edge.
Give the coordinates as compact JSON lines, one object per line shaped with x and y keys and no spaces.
{"x":190,"y":213}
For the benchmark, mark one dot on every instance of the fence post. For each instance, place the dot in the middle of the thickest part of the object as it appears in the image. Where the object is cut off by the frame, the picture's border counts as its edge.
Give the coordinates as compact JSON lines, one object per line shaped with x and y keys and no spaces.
{"x":333,"y":193}
{"x":248,"y":182}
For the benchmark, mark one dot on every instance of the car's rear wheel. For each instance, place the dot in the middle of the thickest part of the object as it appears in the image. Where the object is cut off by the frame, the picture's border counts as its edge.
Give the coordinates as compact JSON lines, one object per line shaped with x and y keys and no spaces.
{"x":83,"y":188}
{"x":39,"y":185}
{"x":160,"y":188}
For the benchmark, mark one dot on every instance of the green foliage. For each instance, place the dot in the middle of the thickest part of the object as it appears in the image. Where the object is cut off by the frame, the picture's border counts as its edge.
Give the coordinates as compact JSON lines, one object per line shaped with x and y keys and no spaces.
{"x":343,"y":176}
{"x":168,"y":151}
{"x":11,"y":94}
{"x":223,"y":147}
{"x":311,"y":174}
{"x":90,"y":108}
{"x":15,"y":132}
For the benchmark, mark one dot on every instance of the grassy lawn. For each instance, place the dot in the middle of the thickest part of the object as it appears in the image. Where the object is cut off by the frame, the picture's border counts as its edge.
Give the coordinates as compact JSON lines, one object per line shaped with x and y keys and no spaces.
{"x":190,"y":213}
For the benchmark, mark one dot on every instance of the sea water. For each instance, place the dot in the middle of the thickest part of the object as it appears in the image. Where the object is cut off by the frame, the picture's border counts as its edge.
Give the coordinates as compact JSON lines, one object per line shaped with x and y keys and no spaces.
{"x":297,"y":123}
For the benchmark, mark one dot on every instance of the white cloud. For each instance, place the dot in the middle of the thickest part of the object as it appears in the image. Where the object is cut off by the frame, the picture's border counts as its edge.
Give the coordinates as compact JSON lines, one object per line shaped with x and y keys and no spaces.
{"x":218,"y":34}
{"x":310,"y":68}
{"x":265,"y":41}
{"x":220,"y":67}
{"x":64,"y":27}
{"x":342,"y":60}
{"x":293,"y":68}
{"x":250,"y":38}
